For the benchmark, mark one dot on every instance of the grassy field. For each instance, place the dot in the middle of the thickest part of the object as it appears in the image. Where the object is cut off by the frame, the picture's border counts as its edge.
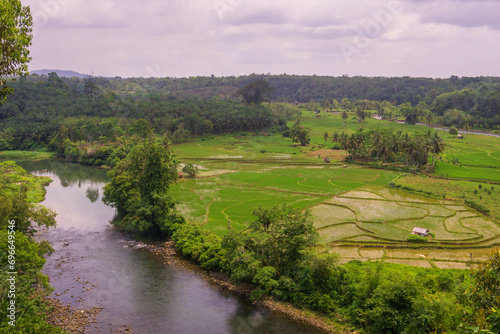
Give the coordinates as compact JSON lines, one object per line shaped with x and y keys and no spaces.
{"x":214,"y":200}
{"x":476,"y":156}
{"x":487,"y":195}
{"x":28,"y":155}
{"x":355,"y":212}
{"x":17,"y":177}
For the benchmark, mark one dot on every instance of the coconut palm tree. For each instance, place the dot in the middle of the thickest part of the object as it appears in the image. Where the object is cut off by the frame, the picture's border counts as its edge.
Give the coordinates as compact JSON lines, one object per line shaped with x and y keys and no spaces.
{"x":384,"y":150}
{"x":343,"y":141}
{"x":377,"y":137}
{"x":411,"y":148}
{"x":466,"y":128}
{"x":427,"y":146}
{"x":326,"y":136}
{"x":429,"y":117}
{"x":344,"y":116}
{"x":437,"y":146}
{"x":395,"y":145}
{"x":335,"y":137}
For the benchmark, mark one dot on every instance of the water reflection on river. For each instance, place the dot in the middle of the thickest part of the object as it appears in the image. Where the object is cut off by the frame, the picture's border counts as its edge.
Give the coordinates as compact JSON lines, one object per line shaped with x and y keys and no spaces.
{"x":95,"y":265}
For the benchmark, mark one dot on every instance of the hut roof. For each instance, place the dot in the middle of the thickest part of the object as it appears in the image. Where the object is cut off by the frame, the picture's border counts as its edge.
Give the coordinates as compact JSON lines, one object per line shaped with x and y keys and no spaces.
{"x":420,"y":230}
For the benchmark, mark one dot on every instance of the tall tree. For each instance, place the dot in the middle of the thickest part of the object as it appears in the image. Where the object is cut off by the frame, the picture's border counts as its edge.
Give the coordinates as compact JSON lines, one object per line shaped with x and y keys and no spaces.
{"x":485,"y":291}
{"x":139,"y":189}
{"x":344,"y":116}
{"x":300,"y":134}
{"x":466,"y":129}
{"x":256,"y":92}
{"x":395,"y":145}
{"x":453,"y":131}
{"x":15,"y":38}
{"x":377,"y":139}
{"x":325,"y":136}
{"x":437,"y":146}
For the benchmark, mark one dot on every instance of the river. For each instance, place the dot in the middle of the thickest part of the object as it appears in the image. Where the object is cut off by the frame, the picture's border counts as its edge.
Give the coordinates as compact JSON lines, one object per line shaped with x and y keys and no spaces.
{"x":95,"y":265}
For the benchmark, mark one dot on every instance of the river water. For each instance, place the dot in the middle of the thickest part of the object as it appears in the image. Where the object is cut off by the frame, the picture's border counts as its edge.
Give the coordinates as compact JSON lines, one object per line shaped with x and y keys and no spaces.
{"x":95,"y":265}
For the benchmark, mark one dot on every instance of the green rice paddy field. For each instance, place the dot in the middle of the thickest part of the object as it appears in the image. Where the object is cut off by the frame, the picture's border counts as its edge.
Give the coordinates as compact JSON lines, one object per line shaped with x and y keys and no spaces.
{"x":354,"y":211}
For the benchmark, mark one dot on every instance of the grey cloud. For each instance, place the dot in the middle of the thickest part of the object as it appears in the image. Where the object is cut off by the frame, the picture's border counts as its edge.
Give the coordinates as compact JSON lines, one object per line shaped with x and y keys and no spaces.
{"x":193,"y":37}
{"x":465,"y":13}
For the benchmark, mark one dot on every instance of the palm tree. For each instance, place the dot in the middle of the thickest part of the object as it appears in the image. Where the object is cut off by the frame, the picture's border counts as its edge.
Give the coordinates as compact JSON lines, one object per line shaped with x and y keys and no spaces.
{"x":437,"y":146}
{"x":395,"y":145}
{"x":429,"y":117}
{"x":326,"y":136}
{"x":466,"y":128}
{"x":343,"y":141}
{"x":335,"y":137}
{"x":427,"y":146}
{"x":377,"y":140}
{"x":411,"y":148}
{"x":344,"y":116}
{"x":384,"y":148}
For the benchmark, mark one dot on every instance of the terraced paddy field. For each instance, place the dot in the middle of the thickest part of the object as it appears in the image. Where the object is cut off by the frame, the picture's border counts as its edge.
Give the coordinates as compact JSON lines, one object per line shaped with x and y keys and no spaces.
{"x":354,"y":211}
{"x":214,"y":200}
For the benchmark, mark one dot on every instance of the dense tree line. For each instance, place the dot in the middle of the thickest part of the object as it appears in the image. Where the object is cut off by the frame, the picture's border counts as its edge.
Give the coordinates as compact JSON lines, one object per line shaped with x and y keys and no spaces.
{"x":389,"y":145}
{"x":40,"y":107}
{"x":291,"y":88}
{"x":277,"y":256}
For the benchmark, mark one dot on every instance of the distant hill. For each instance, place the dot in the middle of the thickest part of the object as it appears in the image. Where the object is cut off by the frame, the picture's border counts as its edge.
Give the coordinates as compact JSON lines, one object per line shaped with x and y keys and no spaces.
{"x":61,"y":73}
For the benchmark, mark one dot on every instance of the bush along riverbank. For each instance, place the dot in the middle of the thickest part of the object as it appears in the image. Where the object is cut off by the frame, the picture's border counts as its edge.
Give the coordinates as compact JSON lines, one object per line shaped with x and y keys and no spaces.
{"x":278,"y":258}
{"x":23,"y":287}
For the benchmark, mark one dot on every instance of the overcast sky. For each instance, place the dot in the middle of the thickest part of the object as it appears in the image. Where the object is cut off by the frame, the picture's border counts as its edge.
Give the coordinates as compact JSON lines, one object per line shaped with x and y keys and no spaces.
{"x":180,"y":38}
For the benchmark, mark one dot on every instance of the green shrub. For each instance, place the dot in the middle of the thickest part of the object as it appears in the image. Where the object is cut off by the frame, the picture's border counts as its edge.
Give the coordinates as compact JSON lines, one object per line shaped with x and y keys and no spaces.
{"x":477,"y":206}
{"x":416,"y":238}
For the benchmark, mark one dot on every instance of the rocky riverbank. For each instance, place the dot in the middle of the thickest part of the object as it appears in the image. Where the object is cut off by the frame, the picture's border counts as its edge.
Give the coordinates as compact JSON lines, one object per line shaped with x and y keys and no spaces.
{"x":69,"y":318}
{"x":168,"y":254}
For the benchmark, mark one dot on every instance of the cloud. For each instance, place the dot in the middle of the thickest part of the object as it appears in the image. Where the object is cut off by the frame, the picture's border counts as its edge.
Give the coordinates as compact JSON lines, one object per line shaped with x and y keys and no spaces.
{"x":203,"y":37}
{"x":464,"y":13}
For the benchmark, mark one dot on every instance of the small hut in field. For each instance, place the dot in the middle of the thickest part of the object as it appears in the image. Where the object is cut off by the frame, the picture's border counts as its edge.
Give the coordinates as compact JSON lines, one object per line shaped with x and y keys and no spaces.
{"x":423,"y":232}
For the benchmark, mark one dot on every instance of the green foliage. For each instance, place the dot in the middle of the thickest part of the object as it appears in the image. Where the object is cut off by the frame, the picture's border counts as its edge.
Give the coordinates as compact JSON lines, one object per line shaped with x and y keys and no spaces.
{"x":179,"y":135}
{"x":416,"y":238}
{"x":453,"y":131}
{"x":485,"y":292}
{"x":286,"y":234}
{"x":17,"y":199}
{"x":255,"y":92}
{"x":479,"y":207}
{"x":141,"y":128}
{"x":190,"y":170}
{"x":15,"y":188}
{"x":15,"y":38}
{"x":139,"y":189}
{"x":300,"y":134}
